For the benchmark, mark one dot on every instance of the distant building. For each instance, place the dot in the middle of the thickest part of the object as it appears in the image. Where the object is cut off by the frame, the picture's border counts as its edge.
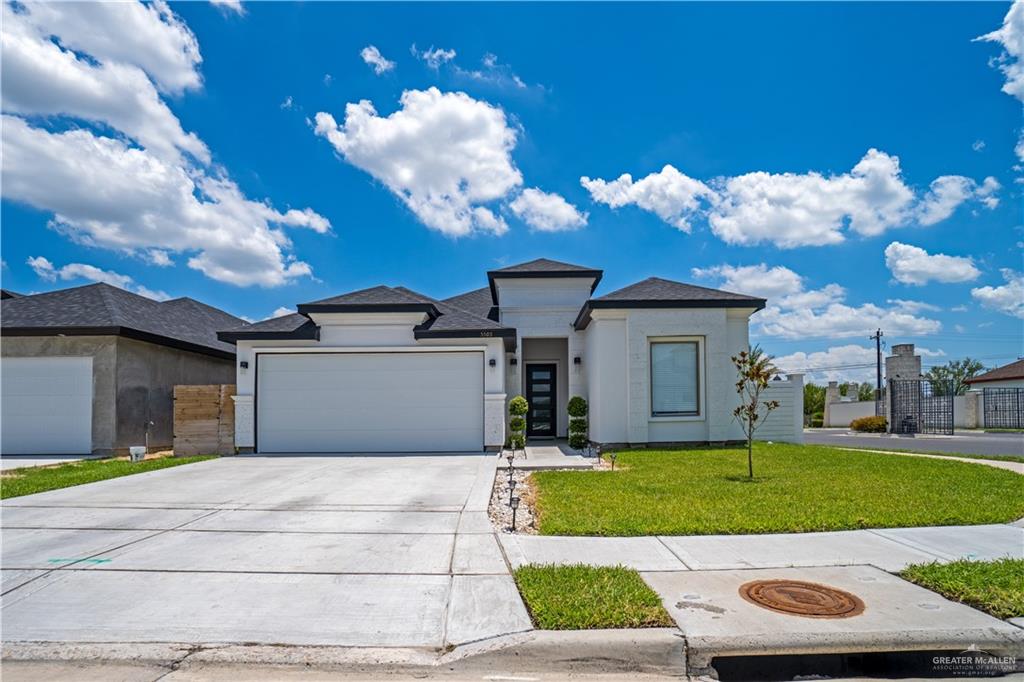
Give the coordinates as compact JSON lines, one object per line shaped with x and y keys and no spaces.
{"x":1007,"y":376}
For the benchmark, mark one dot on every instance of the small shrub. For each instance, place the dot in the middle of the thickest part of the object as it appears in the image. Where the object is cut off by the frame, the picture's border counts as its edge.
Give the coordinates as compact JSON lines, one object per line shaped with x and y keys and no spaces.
{"x":577,"y":407}
{"x":518,"y":407}
{"x":578,"y":441}
{"x":875,"y":424}
{"x":578,"y":425}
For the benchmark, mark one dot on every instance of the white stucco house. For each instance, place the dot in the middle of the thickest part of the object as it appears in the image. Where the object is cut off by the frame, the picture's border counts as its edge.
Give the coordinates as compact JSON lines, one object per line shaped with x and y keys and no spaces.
{"x":387,"y":369}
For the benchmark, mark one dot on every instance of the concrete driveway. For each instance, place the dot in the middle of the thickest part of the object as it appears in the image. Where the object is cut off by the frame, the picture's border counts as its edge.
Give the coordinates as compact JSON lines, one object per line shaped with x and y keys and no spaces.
{"x":374,"y":551}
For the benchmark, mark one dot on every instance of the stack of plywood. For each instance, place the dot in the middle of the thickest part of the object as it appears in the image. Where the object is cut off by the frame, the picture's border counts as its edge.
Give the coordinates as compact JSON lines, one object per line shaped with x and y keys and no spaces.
{"x":204,"y":420}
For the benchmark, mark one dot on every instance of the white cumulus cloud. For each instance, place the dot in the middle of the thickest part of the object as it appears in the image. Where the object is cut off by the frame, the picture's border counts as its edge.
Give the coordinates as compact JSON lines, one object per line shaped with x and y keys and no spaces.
{"x":794,"y":311}
{"x":134,"y":182}
{"x":374,"y":59}
{"x":754,"y":280}
{"x":46,"y":270}
{"x":107,"y":194}
{"x":1007,"y":298}
{"x":1011,"y":62}
{"x":547,"y":212}
{"x":794,"y":209}
{"x":913,"y":265}
{"x":445,"y":155}
{"x":281,"y":312}
{"x":669,"y":194}
{"x":846,"y":363}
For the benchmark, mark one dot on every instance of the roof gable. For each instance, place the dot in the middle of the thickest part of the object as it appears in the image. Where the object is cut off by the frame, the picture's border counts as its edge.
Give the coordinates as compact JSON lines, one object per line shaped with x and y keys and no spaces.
{"x":541,"y":268}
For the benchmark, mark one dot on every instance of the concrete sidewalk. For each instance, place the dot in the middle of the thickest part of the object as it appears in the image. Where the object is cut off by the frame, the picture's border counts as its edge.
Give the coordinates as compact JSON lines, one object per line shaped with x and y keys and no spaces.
{"x":889,"y":549}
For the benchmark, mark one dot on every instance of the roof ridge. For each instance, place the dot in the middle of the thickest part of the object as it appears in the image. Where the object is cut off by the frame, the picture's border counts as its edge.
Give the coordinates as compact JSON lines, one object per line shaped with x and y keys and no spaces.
{"x":462,"y":310}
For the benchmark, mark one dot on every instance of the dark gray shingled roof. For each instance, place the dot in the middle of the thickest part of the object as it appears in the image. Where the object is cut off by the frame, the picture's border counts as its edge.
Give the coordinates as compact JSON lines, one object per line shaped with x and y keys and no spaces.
{"x":543,"y":265}
{"x":444,"y":320}
{"x":655,"y":292}
{"x":541,"y":268}
{"x":477,"y":302}
{"x":7,"y":293}
{"x":100,"y":309}
{"x":381,"y":295}
{"x":294,"y":326}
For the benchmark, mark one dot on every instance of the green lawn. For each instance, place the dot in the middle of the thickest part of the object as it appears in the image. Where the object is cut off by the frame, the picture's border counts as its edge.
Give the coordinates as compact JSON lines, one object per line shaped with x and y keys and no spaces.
{"x":18,"y":482}
{"x":996,"y":587}
{"x":798,"y":488}
{"x":582,"y":597}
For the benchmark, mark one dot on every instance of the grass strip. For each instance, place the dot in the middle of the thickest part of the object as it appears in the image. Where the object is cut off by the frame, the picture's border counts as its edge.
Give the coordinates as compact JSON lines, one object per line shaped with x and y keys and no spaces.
{"x":580,"y":597}
{"x":30,"y":480}
{"x":995,"y":587}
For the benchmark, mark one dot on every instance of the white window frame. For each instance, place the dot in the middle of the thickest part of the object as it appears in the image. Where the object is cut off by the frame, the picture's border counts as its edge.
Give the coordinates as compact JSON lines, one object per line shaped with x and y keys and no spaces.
{"x":701,"y":383}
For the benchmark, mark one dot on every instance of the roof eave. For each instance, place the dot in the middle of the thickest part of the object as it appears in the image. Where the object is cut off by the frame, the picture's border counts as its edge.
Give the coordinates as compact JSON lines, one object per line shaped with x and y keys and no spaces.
{"x":306,"y":332}
{"x":583,"y":318}
{"x":429,"y":308}
{"x":126,"y":332}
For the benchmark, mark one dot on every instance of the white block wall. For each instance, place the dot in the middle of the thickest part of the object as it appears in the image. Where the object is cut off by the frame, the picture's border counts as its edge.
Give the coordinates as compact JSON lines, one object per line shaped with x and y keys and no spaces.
{"x":786,"y":422}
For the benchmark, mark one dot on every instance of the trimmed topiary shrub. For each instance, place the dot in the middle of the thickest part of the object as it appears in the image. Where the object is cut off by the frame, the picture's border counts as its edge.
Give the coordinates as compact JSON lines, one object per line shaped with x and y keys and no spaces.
{"x":517,"y":409}
{"x":877,"y":424}
{"x":577,"y":409}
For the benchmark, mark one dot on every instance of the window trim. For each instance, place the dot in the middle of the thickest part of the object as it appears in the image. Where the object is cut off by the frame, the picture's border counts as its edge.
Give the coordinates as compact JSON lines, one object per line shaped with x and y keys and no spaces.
{"x":697,"y":415}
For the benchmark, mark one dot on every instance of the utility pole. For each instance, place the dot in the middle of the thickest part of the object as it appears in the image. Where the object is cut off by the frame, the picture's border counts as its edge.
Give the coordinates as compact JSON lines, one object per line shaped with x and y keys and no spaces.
{"x":878,"y":364}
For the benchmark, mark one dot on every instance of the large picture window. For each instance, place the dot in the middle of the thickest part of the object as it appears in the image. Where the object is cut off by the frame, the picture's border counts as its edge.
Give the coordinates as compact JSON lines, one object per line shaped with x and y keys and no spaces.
{"x":675,"y":379}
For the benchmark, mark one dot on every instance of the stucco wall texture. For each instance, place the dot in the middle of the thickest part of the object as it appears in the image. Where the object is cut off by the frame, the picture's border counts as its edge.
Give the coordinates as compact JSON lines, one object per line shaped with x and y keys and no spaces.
{"x":133,"y":383}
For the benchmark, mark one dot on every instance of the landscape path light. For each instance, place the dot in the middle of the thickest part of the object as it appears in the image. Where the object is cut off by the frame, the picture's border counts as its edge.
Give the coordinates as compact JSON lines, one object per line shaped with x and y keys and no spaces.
{"x":514,"y":503}
{"x":612,"y":457}
{"x":511,"y":489}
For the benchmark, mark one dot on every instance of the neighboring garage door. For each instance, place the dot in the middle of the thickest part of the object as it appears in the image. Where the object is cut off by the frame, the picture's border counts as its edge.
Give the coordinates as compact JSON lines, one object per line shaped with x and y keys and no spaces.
{"x":369,"y":402}
{"x":46,"y":406}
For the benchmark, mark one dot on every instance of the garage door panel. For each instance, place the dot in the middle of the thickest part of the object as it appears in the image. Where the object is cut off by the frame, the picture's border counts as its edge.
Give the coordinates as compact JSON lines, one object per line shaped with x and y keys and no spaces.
{"x":46,"y":405}
{"x":370,"y":402}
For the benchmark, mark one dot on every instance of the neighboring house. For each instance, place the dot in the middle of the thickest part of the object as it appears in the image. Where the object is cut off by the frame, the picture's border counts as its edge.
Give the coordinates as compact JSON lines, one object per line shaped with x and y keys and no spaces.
{"x":1007,"y":376}
{"x":388,"y":369}
{"x":92,"y":369}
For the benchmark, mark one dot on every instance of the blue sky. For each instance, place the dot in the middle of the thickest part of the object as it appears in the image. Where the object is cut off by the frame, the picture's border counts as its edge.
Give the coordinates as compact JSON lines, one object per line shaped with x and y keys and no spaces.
{"x":206,"y":151}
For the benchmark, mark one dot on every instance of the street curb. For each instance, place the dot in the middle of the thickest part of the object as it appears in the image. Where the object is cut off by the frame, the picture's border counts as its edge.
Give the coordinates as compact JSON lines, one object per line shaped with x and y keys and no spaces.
{"x":655,"y":651}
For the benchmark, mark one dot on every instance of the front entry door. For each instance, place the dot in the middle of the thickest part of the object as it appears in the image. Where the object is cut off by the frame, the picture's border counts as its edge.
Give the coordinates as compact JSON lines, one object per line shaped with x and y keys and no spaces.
{"x":540,"y":393}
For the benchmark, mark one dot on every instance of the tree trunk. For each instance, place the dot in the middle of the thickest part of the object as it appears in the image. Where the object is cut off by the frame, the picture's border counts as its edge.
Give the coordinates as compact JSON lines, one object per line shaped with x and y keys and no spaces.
{"x":750,"y":455}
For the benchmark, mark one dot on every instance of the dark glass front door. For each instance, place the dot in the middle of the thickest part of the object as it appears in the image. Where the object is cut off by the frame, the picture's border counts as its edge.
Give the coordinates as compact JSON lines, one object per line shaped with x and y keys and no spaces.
{"x":540,"y":393}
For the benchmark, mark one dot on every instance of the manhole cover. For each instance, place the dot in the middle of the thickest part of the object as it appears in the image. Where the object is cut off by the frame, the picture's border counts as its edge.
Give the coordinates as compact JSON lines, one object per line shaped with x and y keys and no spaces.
{"x":799,"y":598}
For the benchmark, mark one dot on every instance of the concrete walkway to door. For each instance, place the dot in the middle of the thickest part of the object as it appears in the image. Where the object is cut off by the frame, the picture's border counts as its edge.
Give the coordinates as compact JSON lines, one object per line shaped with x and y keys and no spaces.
{"x":364,"y":551}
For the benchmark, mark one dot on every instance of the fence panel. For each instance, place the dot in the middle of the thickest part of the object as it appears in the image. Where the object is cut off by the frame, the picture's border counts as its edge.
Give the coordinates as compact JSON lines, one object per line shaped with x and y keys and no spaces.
{"x":204,"y":420}
{"x":1004,"y":408}
{"x":920,"y":406}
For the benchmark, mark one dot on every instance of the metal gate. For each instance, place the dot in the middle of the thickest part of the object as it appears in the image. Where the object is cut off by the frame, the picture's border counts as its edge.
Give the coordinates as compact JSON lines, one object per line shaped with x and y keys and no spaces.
{"x":921,"y":406}
{"x":1004,"y":408}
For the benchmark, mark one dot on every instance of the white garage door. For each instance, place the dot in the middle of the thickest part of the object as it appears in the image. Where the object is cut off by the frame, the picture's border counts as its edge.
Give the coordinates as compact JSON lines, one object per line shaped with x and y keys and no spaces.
{"x":370,"y":402}
{"x":46,"y":406}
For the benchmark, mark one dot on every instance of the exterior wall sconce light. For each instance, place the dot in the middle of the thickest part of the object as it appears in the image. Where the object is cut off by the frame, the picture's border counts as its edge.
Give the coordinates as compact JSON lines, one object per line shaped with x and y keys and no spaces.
{"x":244,"y":364}
{"x":492,"y":362}
{"x":514,"y":361}
{"x":577,"y":360}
